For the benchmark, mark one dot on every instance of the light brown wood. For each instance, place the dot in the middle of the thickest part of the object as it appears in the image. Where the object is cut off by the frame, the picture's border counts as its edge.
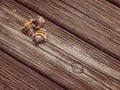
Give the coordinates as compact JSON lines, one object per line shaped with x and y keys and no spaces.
{"x":17,"y":76}
{"x":41,"y":58}
{"x":83,"y":20}
{"x":64,"y":58}
{"x":4,"y":86}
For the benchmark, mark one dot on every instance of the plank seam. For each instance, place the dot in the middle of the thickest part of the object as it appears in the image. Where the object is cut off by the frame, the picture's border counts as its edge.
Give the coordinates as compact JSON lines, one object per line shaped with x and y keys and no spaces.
{"x":33,"y":69}
{"x":81,"y":37}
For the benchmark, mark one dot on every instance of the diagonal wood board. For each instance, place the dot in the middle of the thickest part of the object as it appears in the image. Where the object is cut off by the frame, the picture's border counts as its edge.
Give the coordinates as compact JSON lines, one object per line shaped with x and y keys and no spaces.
{"x":67,"y":60}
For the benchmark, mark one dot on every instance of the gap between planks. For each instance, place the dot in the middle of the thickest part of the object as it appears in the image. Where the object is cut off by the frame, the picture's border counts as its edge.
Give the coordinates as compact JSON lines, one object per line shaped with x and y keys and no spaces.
{"x":97,"y":27}
{"x":54,"y":59}
{"x":19,"y":77}
{"x":115,"y":2}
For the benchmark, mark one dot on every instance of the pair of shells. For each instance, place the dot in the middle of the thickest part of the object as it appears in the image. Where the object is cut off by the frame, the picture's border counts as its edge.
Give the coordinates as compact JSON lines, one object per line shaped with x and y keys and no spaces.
{"x":34,"y":28}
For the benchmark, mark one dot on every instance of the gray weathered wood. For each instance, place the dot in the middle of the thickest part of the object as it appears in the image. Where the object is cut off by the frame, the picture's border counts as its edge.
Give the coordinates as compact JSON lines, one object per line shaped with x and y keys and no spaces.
{"x":66,"y":59}
{"x":82,"y":19}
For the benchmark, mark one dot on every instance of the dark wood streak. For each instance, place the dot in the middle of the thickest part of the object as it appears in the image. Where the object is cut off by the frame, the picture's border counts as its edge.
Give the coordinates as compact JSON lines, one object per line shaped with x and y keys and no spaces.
{"x":115,"y":2}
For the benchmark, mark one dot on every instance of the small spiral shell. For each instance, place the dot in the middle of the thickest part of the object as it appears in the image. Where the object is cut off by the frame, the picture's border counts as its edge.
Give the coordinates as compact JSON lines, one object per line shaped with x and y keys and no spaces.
{"x":39,"y":36}
{"x":39,"y":22}
{"x":38,"y":39}
{"x":32,"y":25}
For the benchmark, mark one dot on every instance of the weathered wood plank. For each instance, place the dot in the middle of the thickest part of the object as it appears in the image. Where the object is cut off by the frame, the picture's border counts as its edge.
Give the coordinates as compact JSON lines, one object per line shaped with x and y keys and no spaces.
{"x":92,"y":25}
{"x":111,"y":6}
{"x":35,"y":57}
{"x":17,"y":76}
{"x":66,"y":59}
{"x":4,"y":86}
{"x":107,"y":10}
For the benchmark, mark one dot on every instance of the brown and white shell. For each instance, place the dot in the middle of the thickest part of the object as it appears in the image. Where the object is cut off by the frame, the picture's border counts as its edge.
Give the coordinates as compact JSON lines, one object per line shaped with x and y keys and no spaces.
{"x":39,"y":36}
{"x":32,"y":25}
{"x":38,"y":39}
{"x":39,"y":22}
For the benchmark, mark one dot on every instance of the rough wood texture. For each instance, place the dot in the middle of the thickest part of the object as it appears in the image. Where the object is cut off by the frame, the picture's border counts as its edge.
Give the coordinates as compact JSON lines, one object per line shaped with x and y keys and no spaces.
{"x":115,"y":2}
{"x":17,"y":76}
{"x":84,"y":18}
{"x":65,"y":59}
{"x":42,"y":58}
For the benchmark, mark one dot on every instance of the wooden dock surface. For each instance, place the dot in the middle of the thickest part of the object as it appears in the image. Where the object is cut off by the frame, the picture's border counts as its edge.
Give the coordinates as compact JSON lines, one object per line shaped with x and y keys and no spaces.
{"x":82,"y":51}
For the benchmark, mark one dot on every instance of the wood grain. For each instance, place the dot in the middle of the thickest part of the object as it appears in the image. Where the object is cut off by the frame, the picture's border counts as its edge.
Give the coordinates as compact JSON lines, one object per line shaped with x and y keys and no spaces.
{"x":65,"y":58}
{"x":38,"y":58}
{"x":17,"y":76}
{"x":98,"y":28}
{"x":115,"y":2}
